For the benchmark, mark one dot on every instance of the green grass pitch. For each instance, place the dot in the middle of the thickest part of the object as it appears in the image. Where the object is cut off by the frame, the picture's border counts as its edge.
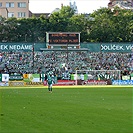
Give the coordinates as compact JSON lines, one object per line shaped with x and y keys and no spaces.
{"x":66,"y":110}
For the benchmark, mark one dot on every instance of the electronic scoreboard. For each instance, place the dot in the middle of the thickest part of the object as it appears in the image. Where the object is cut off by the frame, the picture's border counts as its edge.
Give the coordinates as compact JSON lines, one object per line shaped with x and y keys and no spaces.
{"x":63,"y":38}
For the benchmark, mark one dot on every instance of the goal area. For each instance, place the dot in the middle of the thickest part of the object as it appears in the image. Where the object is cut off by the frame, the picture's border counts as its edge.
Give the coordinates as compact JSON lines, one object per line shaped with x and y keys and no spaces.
{"x":96,"y":77}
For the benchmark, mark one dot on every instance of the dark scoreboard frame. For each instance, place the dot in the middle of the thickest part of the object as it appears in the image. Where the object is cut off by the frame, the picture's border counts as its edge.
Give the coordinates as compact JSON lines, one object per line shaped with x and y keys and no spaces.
{"x":63,"y":38}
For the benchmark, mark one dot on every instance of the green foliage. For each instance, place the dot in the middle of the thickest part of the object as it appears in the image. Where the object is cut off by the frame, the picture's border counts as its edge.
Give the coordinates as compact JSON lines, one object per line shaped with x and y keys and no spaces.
{"x":111,"y":26}
{"x":103,"y":25}
{"x":61,"y":18}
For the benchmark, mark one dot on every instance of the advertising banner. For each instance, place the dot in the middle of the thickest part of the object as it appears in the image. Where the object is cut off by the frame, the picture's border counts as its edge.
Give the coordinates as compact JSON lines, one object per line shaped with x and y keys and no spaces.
{"x":5,"y":77}
{"x":108,"y":47}
{"x":16,"y":83}
{"x":122,"y":82}
{"x":27,"y":47}
{"x":93,"y":82}
{"x":126,"y":77}
{"x":31,"y":77}
{"x":22,"y":83}
{"x":17,"y":77}
{"x":33,"y":83}
{"x":62,"y":82}
{"x":4,"y":84}
{"x":81,"y":82}
{"x":116,"y":47}
{"x":93,"y":47}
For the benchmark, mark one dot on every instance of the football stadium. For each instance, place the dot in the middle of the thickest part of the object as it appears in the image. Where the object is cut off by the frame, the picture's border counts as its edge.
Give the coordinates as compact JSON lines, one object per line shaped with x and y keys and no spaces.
{"x":68,"y":72}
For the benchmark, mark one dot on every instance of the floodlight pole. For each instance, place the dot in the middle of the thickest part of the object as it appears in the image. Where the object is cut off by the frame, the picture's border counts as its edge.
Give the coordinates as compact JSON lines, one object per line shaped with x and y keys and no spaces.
{"x":33,"y":55}
{"x":67,"y":54}
{"x":25,"y":37}
{"x":132,"y":52}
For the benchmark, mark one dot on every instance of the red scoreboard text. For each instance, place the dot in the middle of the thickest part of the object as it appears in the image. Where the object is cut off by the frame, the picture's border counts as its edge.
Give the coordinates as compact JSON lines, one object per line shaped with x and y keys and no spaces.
{"x":63,"y":39}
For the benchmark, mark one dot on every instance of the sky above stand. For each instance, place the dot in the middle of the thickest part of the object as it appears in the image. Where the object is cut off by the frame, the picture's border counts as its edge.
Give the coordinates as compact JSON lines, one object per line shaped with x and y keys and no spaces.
{"x":84,"y":6}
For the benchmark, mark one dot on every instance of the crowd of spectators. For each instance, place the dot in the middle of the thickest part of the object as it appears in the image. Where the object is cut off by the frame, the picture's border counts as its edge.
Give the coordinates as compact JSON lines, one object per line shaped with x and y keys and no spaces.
{"x":62,"y":61}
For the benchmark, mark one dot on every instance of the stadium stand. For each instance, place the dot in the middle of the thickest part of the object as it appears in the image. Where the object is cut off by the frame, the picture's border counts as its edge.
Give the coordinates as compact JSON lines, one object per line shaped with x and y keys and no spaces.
{"x":63,"y":63}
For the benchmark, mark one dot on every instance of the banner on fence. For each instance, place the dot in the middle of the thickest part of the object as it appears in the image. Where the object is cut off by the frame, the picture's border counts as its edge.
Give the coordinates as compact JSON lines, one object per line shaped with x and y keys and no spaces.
{"x":122,"y":82}
{"x":16,"y":83}
{"x":31,"y":77}
{"x":33,"y":83}
{"x":93,"y":82}
{"x":17,"y":77}
{"x":5,"y":77}
{"x":62,"y":82}
{"x":4,"y":84}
